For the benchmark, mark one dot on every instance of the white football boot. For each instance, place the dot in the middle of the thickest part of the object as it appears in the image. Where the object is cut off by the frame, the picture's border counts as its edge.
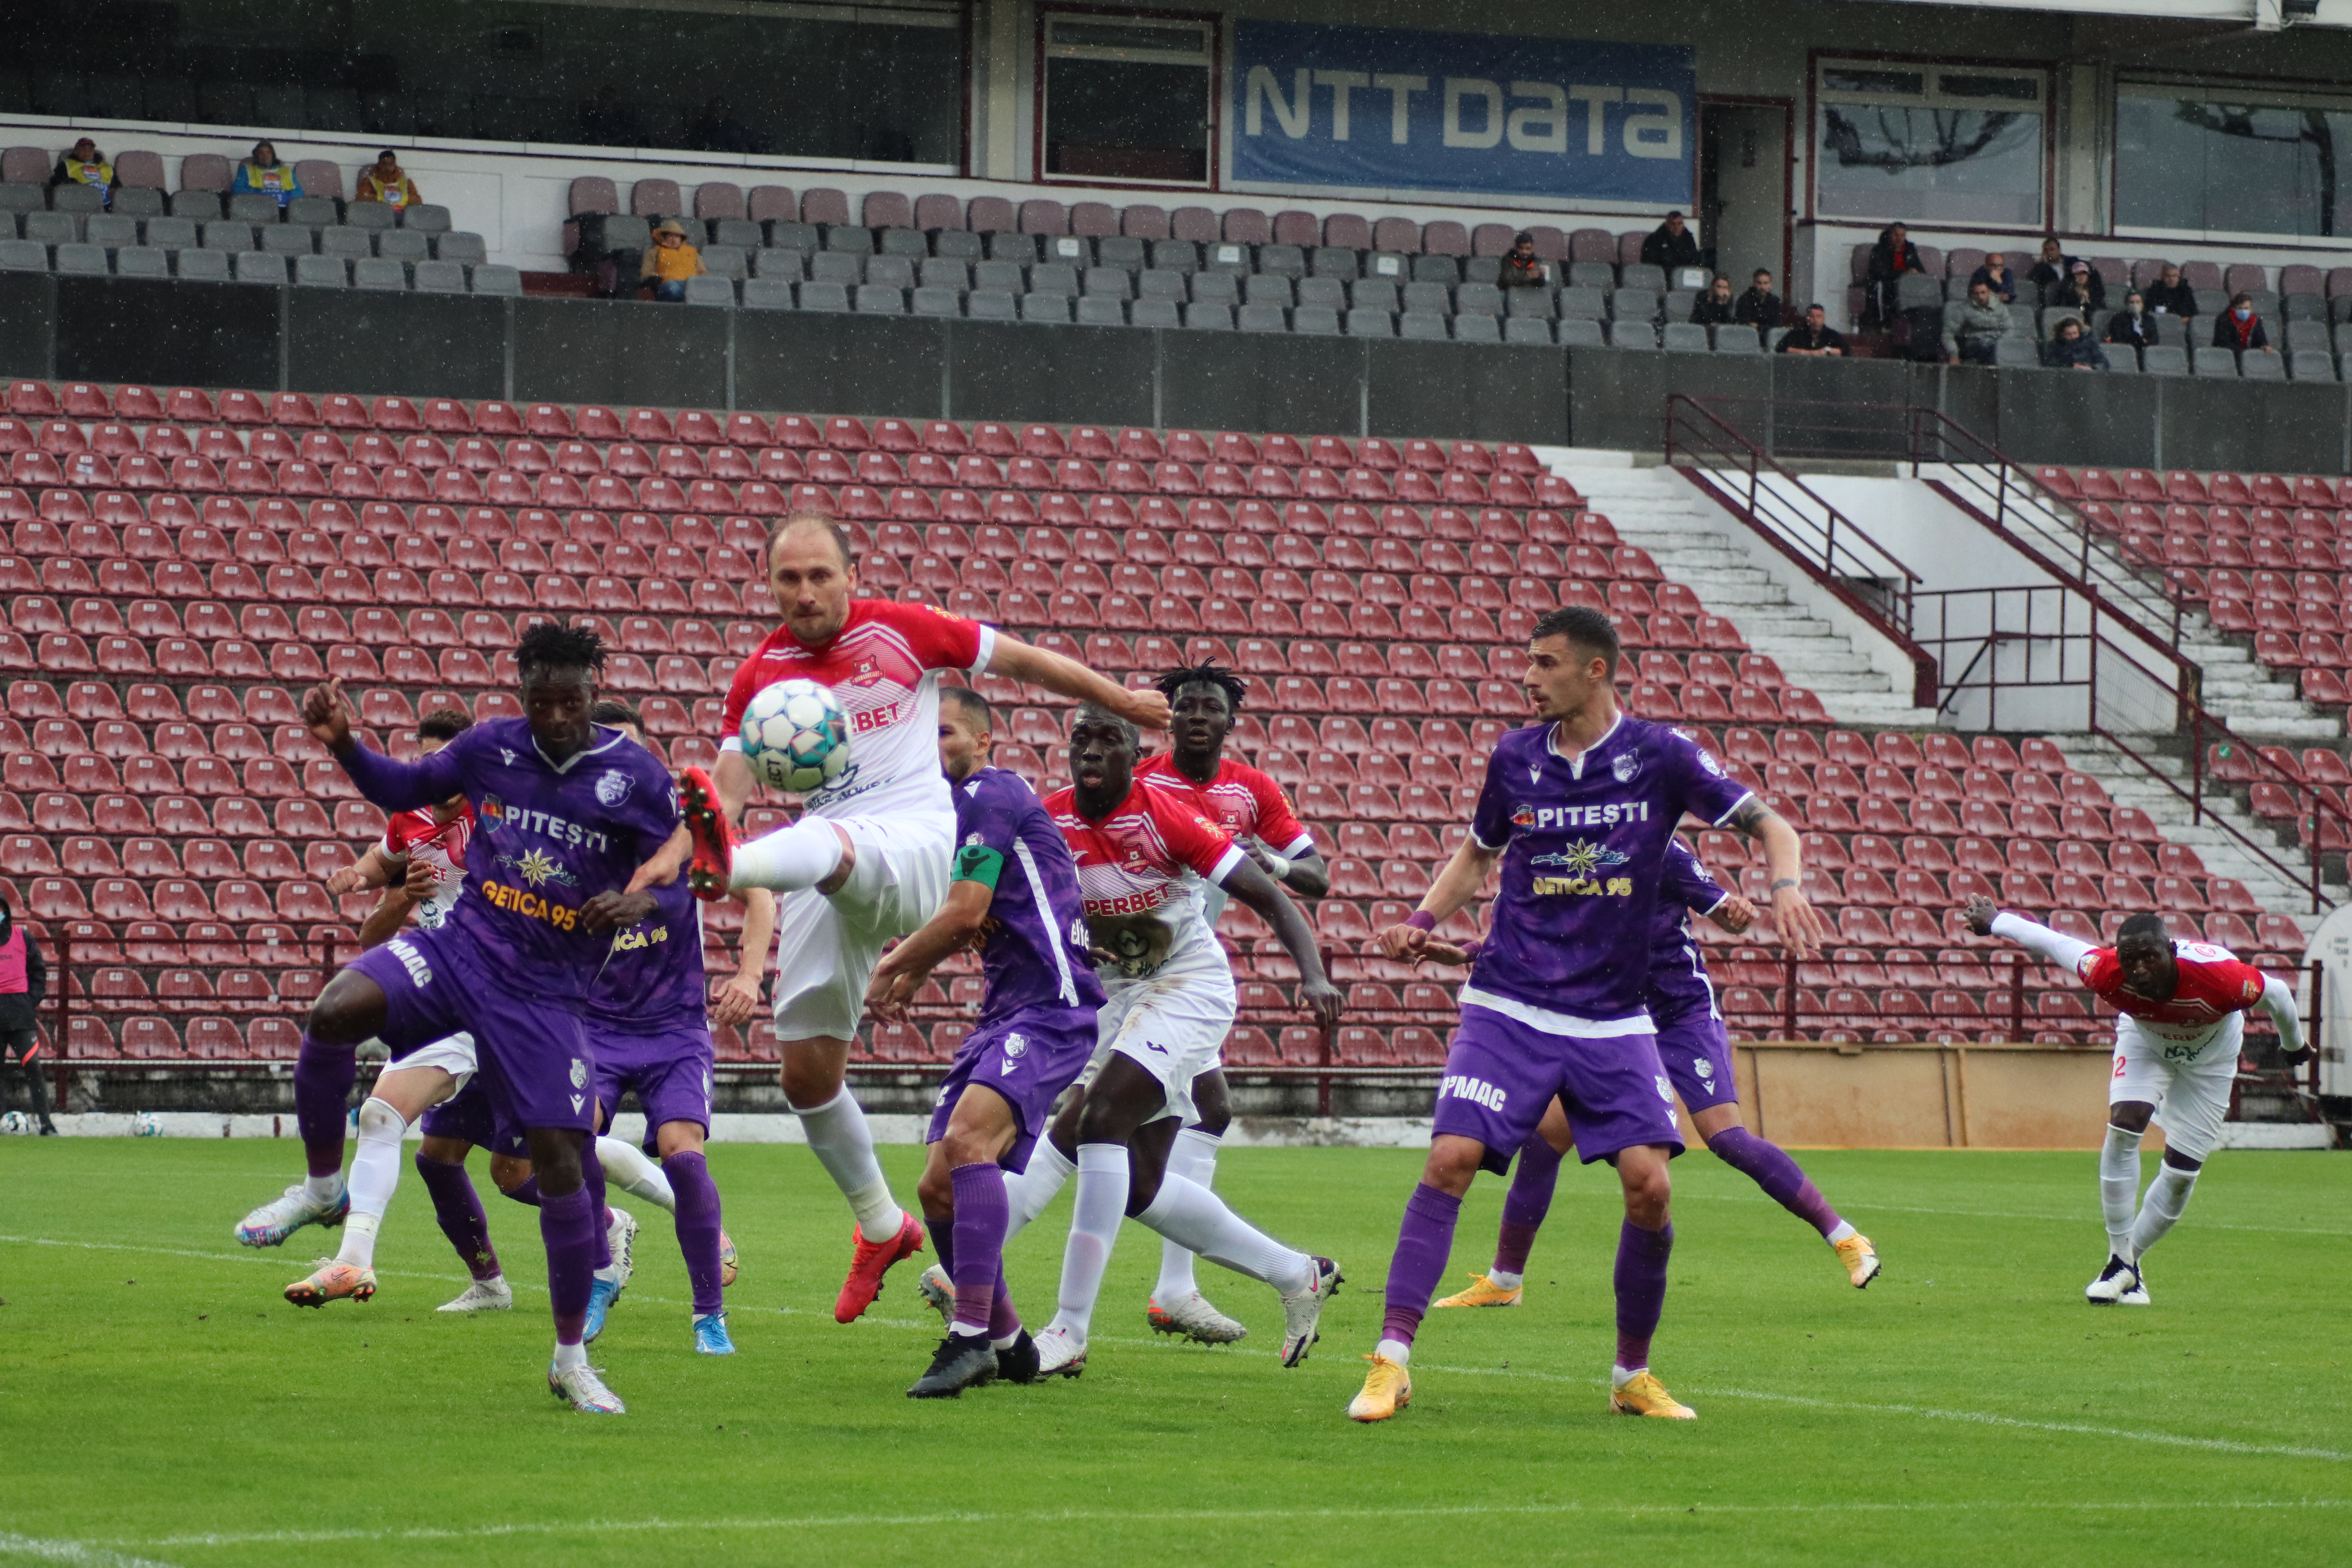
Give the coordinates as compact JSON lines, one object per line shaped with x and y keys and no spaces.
{"x":580,"y":1388}
{"x":1060,"y":1353}
{"x":492,"y":1295}
{"x":2115,"y":1284}
{"x":1302,"y":1308}
{"x":274,"y":1221}
{"x":938,"y":1292}
{"x":1192,"y":1316}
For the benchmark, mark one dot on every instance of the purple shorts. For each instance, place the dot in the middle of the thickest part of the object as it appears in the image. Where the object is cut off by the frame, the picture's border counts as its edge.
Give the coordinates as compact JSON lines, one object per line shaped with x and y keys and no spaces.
{"x":670,"y":1071}
{"x":468,"y":1116}
{"x":1029,"y":1058}
{"x":535,"y":1057}
{"x":1500,"y":1074}
{"x":1697,"y":1058}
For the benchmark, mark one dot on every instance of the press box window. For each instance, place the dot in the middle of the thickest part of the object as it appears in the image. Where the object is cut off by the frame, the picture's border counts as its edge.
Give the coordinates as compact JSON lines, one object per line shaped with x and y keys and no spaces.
{"x":1127,"y":98}
{"x":1918,"y":142}
{"x":2190,"y":161}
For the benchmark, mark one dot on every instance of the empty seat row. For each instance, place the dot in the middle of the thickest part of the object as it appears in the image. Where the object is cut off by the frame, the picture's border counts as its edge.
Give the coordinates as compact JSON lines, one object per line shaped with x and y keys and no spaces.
{"x":115,"y":231}
{"x":446,"y":276}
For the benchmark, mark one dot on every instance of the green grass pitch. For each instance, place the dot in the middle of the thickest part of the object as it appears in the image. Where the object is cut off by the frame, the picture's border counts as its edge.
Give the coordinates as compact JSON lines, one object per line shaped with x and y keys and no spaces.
{"x":161,"y":1404}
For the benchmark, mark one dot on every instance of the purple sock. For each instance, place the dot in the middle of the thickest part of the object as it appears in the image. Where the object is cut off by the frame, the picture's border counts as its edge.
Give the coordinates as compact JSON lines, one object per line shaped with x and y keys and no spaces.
{"x":567,"y":1228}
{"x":459,"y":1209}
{"x":1768,"y":1166}
{"x":1641,"y":1289}
{"x":592,"y":1176}
{"x":323,"y":1076}
{"x":1424,"y":1245}
{"x":526,"y":1191}
{"x":1003,"y":1321}
{"x":1527,"y":1203}
{"x":698,"y":1224}
{"x":982,"y":1214}
{"x":942,"y":1241}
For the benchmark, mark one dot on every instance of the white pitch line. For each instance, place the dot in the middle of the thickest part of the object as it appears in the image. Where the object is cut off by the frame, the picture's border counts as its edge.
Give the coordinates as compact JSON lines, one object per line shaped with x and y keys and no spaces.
{"x":78,"y":1552}
{"x":2084,"y":1217}
{"x":1201,"y":1516}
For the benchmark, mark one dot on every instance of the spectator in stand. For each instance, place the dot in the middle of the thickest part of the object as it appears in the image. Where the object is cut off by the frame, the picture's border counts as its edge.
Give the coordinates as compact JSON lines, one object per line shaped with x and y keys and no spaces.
{"x":2170,"y":295}
{"x":670,"y":262}
{"x":1996,"y":276}
{"x":1815,"y":337}
{"x":1974,"y":327}
{"x":2239,"y":330}
{"x":2135,"y":324}
{"x":24,"y":981}
{"x":2052,"y":270}
{"x":2072,"y":348}
{"x":1521,"y":268}
{"x":86,"y":165}
{"x":1716,"y":307}
{"x":1893,"y":255}
{"x":1670,"y":244}
{"x":263,"y":174}
{"x":385,"y":181}
{"x":1759,"y":307}
{"x":2084,"y":290}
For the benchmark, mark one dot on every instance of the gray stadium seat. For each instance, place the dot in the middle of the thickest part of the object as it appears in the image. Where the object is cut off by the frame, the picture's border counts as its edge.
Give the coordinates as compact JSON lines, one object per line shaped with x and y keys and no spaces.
{"x":938,"y":301}
{"x":1633,"y":335}
{"x":1635,"y":305}
{"x":1267,"y":290}
{"x":1162,"y":283}
{"x":1334,"y":261}
{"x":313,"y":271}
{"x":993,"y":305}
{"x":1325,"y":293}
{"x":890,"y":271}
{"x":767,"y":294}
{"x":2217,"y":363}
{"x":726,"y":261}
{"x":370,"y":216}
{"x":1422,"y":326}
{"x":1374,"y":294}
{"x":254,"y":267}
{"x":21,"y":197}
{"x":440,"y":278}
{"x":1176,"y":254}
{"x":404,"y":244}
{"x":1479,"y":299}
{"x":2122,"y":358}
{"x":425,"y":218}
{"x":1261,"y":319}
{"x":1006,"y":245}
{"x":1370,"y":321}
{"x":709,"y":290}
{"x":114,"y":231}
{"x":1006,"y":276}
{"x":1053,"y":278}
{"x":907,"y":244}
{"x":1055,"y":308}
{"x":1282,"y":260}
{"x":342,"y":239}
{"x":1427,"y":299}
{"x":2015,"y":351}
{"x":1215,"y":288}
{"x":1580,"y":333}
{"x":1641,"y":274}
{"x":285,"y":239}
{"x":1110,"y":282}
{"x":2304,"y":365}
{"x":376,"y":272}
{"x":855,"y":239}
{"x":1737,"y":339}
{"x":881,"y":299}
{"x":52,"y":228}
{"x":2212,"y":302}
{"x":738,"y":232}
{"x":465,"y":248}
{"x":837,"y":267}
{"x":133,"y":201}
{"x":1527,"y":331}
{"x":79,"y":199}
{"x":1122,"y":251}
{"x":315,"y":212}
{"x":782,"y":266}
{"x":1534,"y":303}
{"x":1685,"y":337}
{"x":205,"y":265}
{"x":201,"y":207}
{"x":1478,"y":330}
{"x":1316,"y":321}
{"x":171,"y":233}
{"x":1159,"y":311}
{"x":2308,"y":334}
{"x":788,"y":235}
{"x":1592,"y":275}
{"x":2164,"y":359}
{"x":253,"y":207}
{"x":83,"y":260}
{"x":1436,"y":269}
{"x":943,"y":272}
{"x":2254,"y":366}
{"x":1210,"y":317}
{"x":141,"y":262}
{"x":506,"y":282}
{"x":1226,"y":258}
{"x":1102,"y":310}
{"x":958,"y":244}
{"x":1071,"y":250}
{"x":822,"y":294}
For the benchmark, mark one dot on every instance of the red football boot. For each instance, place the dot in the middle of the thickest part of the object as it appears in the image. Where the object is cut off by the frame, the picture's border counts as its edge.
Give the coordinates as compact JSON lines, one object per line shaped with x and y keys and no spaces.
{"x":713,"y":836}
{"x":867,"y":1263}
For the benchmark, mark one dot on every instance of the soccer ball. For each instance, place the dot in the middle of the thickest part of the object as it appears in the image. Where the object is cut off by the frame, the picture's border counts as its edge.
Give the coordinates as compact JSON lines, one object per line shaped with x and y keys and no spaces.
{"x":795,"y":736}
{"x":147,"y":1125}
{"x":15,"y":1124}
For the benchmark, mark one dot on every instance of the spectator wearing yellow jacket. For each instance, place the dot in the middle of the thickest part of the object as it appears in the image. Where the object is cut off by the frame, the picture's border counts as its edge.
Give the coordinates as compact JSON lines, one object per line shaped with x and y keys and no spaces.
{"x":670,"y":262}
{"x":86,"y":165}
{"x":263,"y":174}
{"x":385,"y":181}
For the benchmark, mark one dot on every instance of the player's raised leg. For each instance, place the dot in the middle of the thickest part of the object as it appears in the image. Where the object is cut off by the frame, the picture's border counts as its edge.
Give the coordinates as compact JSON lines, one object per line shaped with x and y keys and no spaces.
{"x":1770,"y":1167}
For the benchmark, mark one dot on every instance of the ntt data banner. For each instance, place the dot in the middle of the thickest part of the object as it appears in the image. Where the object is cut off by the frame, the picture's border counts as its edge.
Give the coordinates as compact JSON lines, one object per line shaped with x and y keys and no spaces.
{"x":1397,"y":111}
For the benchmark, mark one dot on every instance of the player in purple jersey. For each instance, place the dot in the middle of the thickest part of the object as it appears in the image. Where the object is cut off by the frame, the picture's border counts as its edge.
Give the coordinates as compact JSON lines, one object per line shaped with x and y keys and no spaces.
{"x":1578,"y":810}
{"x":565,"y":812}
{"x":1013,"y":893}
{"x":1697,"y":1058}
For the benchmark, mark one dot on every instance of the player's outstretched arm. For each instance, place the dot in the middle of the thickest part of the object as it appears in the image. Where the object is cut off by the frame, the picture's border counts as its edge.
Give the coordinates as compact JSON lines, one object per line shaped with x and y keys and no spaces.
{"x":1253,"y":887}
{"x":666,"y":863}
{"x":1987,"y":919}
{"x":905,"y":967}
{"x":1793,"y":917}
{"x":1067,"y":677}
{"x":370,"y":870}
{"x":386,"y":784}
{"x":1308,"y":876}
{"x":2278,"y":1000}
{"x":737,"y":997}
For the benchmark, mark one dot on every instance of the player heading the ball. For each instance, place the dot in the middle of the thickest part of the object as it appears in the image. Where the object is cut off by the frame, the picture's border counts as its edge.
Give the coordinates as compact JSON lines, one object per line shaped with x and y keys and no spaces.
{"x":868,"y":861}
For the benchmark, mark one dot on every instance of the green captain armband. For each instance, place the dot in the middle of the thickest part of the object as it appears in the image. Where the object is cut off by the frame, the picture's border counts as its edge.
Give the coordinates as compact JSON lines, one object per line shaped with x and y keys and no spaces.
{"x":979,"y":863}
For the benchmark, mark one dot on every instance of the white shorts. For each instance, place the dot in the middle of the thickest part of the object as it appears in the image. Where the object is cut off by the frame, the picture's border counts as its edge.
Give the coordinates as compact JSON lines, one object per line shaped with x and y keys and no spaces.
{"x":454,"y":1054}
{"x":1173,"y":1026}
{"x":2190,"y":1092}
{"x":826,"y":948}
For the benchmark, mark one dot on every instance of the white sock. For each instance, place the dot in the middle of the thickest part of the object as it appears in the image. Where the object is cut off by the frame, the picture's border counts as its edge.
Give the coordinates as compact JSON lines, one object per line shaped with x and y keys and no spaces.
{"x":2119,"y":1186}
{"x":1194,"y":1158}
{"x":1094,"y":1231}
{"x":1028,"y":1194}
{"x":1396,"y":1350}
{"x":1503,"y":1279}
{"x":845,"y":1146}
{"x":626,"y":1167}
{"x":1839,"y":1232}
{"x":569,"y":1356}
{"x":790,"y":858}
{"x":2167,"y":1196}
{"x":323,"y":1189}
{"x":1192,"y":1216}
{"x":1619,"y":1376}
{"x":376,"y":1173}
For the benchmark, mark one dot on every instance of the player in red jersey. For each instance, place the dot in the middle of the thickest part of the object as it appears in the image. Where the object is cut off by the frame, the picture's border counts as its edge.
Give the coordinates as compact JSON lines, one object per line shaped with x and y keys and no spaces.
{"x":2184,"y":1006}
{"x":868,"y":862}
{"x":1256,"y":816}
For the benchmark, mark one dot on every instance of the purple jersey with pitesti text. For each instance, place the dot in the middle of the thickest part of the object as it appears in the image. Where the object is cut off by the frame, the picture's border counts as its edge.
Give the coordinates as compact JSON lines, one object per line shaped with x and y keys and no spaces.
{"x":547,"y":838}
{"x":652,"y":980}
{"x":1583,"y":841}
{"x":1034,"y":947}
{"x":1678,"y":982}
